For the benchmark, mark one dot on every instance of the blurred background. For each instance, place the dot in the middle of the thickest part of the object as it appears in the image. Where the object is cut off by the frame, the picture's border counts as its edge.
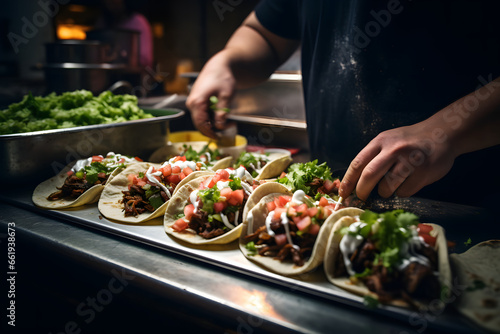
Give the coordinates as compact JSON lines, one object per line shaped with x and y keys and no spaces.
{"x":184,"y":35}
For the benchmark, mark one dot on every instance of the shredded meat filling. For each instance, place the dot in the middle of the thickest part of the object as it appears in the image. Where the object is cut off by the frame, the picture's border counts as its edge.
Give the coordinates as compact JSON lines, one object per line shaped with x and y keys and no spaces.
{"x":415,"y":282}
{"x":135,"y":201}
{"x":73,"y":187}
{"x":284,"y":252}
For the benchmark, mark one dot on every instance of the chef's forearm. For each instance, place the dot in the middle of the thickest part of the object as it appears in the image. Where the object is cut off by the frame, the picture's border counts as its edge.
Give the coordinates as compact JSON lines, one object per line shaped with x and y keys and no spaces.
{"x":472,"y":122}
{"x":253,"y":53}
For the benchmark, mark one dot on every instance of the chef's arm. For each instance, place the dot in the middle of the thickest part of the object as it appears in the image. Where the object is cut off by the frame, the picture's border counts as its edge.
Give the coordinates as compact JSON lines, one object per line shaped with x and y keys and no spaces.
{"x":250,"y":56}
{"x":406,"y":159}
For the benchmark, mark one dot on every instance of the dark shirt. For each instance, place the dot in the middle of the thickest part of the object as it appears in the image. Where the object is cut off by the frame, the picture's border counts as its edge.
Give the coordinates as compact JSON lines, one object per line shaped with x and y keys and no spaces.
{"x":370,"y":66}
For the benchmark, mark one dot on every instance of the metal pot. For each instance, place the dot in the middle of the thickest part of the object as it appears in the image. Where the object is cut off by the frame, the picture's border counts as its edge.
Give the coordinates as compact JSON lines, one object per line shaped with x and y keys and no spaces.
{"x":76,"y":51}
{"x":123,"y":43}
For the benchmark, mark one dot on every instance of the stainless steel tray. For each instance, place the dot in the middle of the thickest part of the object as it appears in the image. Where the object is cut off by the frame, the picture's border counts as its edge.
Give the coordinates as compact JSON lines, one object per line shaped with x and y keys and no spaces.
{"x":230,"y":257}
{"x":34,"y":156}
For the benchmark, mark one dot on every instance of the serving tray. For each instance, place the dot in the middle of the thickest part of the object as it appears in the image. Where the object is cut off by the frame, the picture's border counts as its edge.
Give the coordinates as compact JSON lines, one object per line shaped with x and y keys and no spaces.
{"x":313,"y":283}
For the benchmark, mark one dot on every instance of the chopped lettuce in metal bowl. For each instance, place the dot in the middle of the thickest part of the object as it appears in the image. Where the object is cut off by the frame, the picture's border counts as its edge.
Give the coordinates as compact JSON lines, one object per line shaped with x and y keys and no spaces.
{"x":67,"y":110}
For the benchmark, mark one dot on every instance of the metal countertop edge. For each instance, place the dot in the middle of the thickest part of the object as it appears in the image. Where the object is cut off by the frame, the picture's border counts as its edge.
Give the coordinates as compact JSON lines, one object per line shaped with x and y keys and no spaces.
{"x":54,"y":235}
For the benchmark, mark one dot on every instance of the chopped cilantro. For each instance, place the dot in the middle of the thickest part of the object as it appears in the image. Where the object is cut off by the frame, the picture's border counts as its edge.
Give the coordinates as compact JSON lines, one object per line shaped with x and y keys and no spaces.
{"x":235,"y":183}
{"x":468,"y":242}
{"x":251,"y":248}
{"x":156,"y":200}
{"x":150,"y":191}
{"x":476,"y":285}
{"x":208,"y":197}
{"x":389,"y":231}
{"x":93,"y":170}
{"x":370,"y":302}
{"x":366,"y":272}
{"x":301,"y":174}
{"x":250,"y":161}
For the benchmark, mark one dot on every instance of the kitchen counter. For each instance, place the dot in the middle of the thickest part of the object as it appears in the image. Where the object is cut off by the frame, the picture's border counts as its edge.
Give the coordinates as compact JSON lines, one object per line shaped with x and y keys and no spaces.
{"x":72,"y":278}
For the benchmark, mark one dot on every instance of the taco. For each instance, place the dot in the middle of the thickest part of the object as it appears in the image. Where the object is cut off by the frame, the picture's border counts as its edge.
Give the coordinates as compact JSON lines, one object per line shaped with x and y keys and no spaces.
{"x":287,"y":233}
{"x":478,"y":273}
{"x":390,"y":257}
{"x":210,"y":209}
{"x":199,"y":152}
{"x":141,"y":192}
{"x":80,"y":183}
{"x":316,"y":180}
{"x":264,"y":165}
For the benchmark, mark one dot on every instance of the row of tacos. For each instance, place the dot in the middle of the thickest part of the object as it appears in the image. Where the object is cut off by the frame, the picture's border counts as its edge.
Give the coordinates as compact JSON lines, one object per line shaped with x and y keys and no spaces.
{"x":293,"y":229}
{"x":289,"y":225}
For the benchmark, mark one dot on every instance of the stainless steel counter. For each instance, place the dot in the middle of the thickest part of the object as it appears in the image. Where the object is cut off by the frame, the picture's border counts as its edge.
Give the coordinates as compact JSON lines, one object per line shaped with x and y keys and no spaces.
{"x":73,"y":278}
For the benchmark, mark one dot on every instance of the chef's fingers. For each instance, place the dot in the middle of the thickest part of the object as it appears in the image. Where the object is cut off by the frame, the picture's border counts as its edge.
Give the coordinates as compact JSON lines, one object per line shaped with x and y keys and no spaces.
{"x":405,"y":178}
{"x":393,"y":180}
{"x":220,"y":113}
{"x":374,"y":171}
{"x":355,"y":169}
{"x":200,"y":116}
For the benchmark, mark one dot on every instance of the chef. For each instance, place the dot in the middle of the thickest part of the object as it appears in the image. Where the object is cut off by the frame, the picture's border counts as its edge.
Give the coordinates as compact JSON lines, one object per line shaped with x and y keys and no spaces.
{"x":404,"y":94}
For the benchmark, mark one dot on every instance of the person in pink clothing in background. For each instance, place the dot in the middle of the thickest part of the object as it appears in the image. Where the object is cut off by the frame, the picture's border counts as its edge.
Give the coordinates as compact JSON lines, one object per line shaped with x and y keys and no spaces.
{"x":120,"y":14}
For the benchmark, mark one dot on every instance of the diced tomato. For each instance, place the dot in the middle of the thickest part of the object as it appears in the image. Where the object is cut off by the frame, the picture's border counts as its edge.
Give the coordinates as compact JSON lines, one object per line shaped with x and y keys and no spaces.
{"x":278,"y":212}
{"x":311,"y":212}
{"x":328,"y":184}
{"x":304,"y":223}
{"x":282,"y":175}
{"x":280,"y":239}
{"x":302,"y":209}
{"x":323,"y":201}
{"x":284,"y":199}
{"x":188,"y":211}
{"x":277,"y":202}
{"x":219,"y":206}
{"x":223,"y":174}
{"x":180,"y":225}
{"x":138,"y":159}
{"x":167,"y":170}
{"x":176,"y":169}
{"x":226,"y":192}
{"x":314,"y":229}
{"x":270,"y":206}
{"x":132,"y":178}
{"x":237,"y":197}
{"x":429,"y":239}
{"x":182,"y":176}
{"x":70,"y":172}
{"x":209,"y":182}
{"x":121,"y":160}
{"x":179,"y":158}
{"x":141,"y":182}
{"x":97,"y":158}
{"x":187,"y":171}
{"x":174,"y":178}
{"x":292,"y":211}
{"x":424,"y":229}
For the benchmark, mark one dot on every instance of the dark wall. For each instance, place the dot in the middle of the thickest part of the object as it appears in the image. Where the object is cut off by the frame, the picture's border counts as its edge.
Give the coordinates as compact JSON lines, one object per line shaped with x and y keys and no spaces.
{"x":194,"y":29}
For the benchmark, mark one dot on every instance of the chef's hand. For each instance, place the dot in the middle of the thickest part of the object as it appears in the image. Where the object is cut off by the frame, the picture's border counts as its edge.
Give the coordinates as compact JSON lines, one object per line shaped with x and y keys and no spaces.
{"x":404,"y":160}
{"x":216,"y":79}
{"x":400,"y":161}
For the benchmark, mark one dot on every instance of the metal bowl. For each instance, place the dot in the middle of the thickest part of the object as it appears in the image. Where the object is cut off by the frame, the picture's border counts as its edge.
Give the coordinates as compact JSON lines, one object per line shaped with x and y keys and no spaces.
{"x":32,"y":157}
